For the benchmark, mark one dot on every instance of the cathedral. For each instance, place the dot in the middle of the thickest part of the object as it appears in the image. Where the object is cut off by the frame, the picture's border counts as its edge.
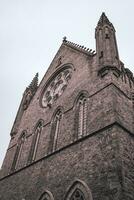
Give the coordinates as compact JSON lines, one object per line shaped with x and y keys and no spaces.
{"x":73,"y":135}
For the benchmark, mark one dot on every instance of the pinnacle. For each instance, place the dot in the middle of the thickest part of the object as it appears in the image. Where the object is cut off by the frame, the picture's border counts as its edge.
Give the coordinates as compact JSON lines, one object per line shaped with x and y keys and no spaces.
{"x":34,"y":83}
{"x":35,"y":79}
{"x":104,"y":20}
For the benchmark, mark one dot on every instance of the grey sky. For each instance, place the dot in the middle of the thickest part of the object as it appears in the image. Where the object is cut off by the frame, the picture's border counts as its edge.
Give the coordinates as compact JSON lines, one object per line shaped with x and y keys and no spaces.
{"x":31,"y":32}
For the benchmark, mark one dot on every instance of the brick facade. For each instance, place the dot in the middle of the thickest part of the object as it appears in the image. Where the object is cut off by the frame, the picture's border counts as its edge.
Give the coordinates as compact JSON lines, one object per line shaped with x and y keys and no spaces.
{"x":48,"y":157}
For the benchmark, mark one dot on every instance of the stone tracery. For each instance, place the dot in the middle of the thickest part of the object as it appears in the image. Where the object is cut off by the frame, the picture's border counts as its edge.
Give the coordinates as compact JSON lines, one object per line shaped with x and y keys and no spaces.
{"x":56,"y":87}
{"x":79,"y":191}
{"x":77,"y":195}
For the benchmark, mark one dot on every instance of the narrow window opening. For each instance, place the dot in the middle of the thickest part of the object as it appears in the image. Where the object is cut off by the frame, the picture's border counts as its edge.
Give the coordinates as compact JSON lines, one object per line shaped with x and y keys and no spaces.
{"x":57,"y":123}
{"x":101,"y":55}
{"x":18,"y":152}
{"x":55,"y":131}
{"x":36,"y":140}
{"x":107,"y":36}
{"x":82,"y":117}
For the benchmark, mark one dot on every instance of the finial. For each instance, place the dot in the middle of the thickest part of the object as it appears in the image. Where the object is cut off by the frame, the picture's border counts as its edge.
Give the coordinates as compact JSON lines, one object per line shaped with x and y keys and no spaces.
{"x":64,"y":39}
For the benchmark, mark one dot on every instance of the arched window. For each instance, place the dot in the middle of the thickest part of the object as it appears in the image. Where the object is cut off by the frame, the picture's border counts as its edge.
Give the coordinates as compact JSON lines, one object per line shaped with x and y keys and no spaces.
{"x":55,"y":130}
{"x":35,"y":141}
{"x":46,"y":196}
{"x":79,"y":191}
{"x":19,"y":149}
{"x":81,"y":116}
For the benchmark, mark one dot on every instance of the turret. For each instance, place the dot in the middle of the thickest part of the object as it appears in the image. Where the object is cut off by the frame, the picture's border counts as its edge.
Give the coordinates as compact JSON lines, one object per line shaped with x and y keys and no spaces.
{"x":26,"y":99}
{"x":106,"y":46}
{"x":30,"y":91}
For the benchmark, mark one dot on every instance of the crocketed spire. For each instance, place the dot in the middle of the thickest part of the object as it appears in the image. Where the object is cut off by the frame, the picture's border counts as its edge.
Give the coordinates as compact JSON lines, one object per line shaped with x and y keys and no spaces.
{"x":34,"y":84}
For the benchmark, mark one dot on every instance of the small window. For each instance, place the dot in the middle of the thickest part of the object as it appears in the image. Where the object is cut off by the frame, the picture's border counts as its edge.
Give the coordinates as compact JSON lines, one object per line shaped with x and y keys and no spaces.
{"x":101,"y":55}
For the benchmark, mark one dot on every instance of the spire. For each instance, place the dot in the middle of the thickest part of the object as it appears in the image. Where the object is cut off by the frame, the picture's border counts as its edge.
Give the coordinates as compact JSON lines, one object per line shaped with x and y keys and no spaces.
{"x":34,"y":84}
{"x":106,"y":45}
{"x":104,"y":21}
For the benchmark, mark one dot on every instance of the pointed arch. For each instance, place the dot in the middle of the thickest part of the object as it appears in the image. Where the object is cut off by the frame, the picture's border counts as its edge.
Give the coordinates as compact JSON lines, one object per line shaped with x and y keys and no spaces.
{"x":78,"y":195}
{"x":78,"y":191}
{"x":47,"y":97}
{"x":46,"y":196}
{"x":81,"y":93}
{"x":55,"y":128}
{"x":36,"y":136}
{"x":81,"y":115}
{"x":18,"y":151}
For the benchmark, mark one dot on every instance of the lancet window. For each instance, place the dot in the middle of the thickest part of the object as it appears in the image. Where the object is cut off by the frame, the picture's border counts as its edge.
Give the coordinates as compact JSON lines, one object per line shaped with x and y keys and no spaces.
{"x":19,"y":150}
{"x":35,"y":141}
{"x":55,"y":130}
{"x":82,"y":116}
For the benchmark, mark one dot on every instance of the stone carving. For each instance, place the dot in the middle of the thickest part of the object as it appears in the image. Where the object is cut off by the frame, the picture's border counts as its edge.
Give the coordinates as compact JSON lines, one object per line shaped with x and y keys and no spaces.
{"x":124,"y":73}
{"x":107,"y":69}
{"x":127,"y":75}
{"x":28,"y":97}
{"x":59,"y":61}
{"x":56,"y":87}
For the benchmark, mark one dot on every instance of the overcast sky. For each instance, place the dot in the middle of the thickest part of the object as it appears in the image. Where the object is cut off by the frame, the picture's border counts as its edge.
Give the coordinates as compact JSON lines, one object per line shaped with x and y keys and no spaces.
{"x":31,"y":32}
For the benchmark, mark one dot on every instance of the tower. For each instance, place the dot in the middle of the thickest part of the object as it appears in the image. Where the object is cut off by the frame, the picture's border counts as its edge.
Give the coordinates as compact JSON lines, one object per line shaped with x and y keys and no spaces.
{"x":106,"y":46}
{"x":73,"y":134}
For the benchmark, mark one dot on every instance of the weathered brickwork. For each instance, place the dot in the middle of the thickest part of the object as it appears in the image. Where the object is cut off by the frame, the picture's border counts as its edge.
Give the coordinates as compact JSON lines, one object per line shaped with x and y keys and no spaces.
{"x":127,"y":157}
{"x":78,"y":143}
